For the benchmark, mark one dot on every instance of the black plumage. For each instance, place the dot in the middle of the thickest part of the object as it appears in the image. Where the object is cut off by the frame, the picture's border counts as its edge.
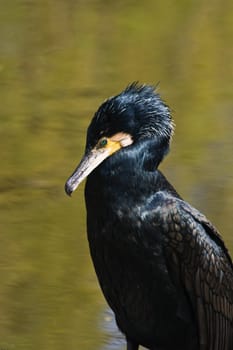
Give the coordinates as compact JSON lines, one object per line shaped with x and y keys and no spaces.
{"x":162,"y":266}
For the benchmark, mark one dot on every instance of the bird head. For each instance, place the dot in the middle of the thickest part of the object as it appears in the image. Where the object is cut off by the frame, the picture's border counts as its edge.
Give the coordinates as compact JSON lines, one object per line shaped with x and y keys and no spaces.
{"x":135,"y":117}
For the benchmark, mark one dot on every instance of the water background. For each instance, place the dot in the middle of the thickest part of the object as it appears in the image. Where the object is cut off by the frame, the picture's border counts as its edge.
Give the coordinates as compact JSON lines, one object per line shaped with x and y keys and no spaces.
{"x":58,"y":61}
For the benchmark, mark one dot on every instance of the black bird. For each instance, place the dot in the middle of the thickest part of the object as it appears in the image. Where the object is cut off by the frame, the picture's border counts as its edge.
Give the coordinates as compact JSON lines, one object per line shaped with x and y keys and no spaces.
{"x":162,"y":266}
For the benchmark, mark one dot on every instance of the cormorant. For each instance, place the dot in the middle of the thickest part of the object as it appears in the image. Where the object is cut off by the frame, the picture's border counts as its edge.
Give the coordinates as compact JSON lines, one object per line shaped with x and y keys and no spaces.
{"x":162,"y":266}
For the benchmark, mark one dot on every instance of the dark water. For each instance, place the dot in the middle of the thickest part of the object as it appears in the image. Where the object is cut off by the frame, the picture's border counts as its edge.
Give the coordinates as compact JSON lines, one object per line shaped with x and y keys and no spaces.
{"x":58,"y":61}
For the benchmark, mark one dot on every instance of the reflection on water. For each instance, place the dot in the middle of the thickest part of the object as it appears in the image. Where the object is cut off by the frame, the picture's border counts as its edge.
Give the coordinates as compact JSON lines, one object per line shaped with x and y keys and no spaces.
{"x":58,"y":61}
{"x":114,"y":340}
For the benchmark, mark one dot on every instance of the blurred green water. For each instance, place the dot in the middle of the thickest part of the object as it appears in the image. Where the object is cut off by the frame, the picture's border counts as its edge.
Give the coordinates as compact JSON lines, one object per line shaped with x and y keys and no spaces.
{"x":58,"y":61}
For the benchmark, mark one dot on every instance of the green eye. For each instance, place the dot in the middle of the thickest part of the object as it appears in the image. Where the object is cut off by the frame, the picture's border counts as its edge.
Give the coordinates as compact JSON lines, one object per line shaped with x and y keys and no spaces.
{"x":103,"y":143}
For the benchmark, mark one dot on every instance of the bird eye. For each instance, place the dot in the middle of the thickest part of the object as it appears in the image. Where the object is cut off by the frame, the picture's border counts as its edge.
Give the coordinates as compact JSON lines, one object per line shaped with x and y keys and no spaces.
{"x":103,"y":142}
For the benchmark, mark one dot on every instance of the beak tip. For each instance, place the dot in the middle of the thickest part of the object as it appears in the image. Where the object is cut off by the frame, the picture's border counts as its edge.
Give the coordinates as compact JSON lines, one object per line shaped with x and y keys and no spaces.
{"x":68,"y":190}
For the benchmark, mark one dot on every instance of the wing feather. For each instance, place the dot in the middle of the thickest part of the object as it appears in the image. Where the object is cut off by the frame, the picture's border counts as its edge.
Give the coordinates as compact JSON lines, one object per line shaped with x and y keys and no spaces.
{"x":199,"y":260}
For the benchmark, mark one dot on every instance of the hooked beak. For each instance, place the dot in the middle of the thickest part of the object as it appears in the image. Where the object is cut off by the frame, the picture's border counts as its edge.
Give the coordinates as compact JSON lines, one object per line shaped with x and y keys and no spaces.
{"x":88,"y":163}
{"x":96,"y":156}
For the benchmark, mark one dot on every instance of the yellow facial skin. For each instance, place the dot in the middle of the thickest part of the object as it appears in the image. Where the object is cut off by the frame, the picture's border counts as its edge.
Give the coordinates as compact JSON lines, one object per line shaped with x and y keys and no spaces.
{"x":115,"y":142}
{"x":104,"y":148}
{"x":109,"y":145}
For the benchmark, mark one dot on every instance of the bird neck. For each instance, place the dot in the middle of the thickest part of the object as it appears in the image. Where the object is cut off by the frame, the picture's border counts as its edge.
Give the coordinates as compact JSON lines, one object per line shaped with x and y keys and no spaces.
{"x":144,"y":156}
{"x":148,"y":154}
{"x":127,"y":169}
